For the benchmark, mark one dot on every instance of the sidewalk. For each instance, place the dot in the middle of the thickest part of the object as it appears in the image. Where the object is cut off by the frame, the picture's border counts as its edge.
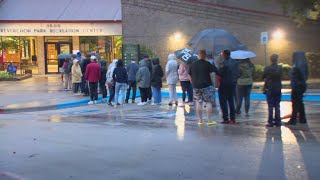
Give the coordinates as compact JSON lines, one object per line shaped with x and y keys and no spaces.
{"x":46,"y":92}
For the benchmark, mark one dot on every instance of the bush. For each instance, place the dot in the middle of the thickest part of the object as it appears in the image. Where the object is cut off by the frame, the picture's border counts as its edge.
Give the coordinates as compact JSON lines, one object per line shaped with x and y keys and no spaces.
{"x":286,"y":68}
{"x":258,"y":72}
{"x":314,"y":64}
{"x":5,"y":75}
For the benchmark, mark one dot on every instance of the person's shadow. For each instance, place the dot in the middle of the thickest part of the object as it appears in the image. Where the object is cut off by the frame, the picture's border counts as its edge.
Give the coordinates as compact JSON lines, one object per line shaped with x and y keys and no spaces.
{"x":272,"y":160}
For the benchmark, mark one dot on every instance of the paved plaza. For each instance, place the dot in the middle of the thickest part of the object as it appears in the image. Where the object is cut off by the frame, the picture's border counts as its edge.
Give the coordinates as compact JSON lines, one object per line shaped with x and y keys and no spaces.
{"x":149,"y":142}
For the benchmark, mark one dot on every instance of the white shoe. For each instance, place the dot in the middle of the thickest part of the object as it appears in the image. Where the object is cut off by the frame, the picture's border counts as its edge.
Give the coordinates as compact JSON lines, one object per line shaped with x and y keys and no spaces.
{"x":191,"y":103}
{"x":154,"y":104}
{"x":90,"y":102}
{"x":104,"y":100}
{"x":141,"y":104}
{"x":95,"y":102}
{"x":79,"y":94}
{"x":115,"y":106}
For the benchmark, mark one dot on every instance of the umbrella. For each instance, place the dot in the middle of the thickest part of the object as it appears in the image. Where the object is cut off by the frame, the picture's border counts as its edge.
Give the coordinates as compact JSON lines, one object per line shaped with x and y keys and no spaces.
{"x":240,"y":54}
{"x":64,"y":56}
{"x":186,"y":55}
{"x":215,"y":40}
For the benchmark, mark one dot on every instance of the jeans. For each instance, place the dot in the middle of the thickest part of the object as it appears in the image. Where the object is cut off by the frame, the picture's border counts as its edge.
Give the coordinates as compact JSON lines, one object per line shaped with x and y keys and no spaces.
{"x":111,"y":92}
{"x":84,"y":86}
{"x":243,"y":91}
{"x":144,"y":94}
{"x":186,"y":87}
{"x":149,"y":93}
{"x":133,"y":86}
{"x":76,"y":87}
{"x":103,"y":89}
{"x":173,"y":93}
{"x":93,"y":91}
{"x":297,"y":107}
{"x":156,"y":93}
{"x":122,"y":87}
{"x":226,"y":97}
{"x":273,"y":101}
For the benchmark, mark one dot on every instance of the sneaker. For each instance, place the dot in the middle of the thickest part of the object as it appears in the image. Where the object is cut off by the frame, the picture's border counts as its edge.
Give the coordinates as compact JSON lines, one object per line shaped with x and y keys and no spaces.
{"x":200,"y":122}
{"x":154,"y":104}
{"x":191,"y":103}
{"x":141,"y":104}
{"x":211,"y":123}
{"x":104,"y":100}
{"x":95,"y":102}
{"x":90,"y":102}
{"x":232,"y":121}
{"x":170,"y":104}
{"x":110,"y":104}
{"x":115,"y":106}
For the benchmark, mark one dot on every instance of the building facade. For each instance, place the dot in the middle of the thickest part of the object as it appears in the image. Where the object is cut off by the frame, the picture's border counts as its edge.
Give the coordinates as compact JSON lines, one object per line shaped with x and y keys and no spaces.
{"x":165,"y":26}
{"x":37,"y":34}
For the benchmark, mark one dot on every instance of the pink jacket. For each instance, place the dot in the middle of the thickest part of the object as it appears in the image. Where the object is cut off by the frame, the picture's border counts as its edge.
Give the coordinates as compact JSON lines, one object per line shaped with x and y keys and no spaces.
{"x":184,"y":72}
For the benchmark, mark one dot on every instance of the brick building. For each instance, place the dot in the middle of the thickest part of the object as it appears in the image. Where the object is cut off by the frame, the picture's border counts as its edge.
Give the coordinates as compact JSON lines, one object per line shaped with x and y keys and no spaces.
{"x":153,"y":23}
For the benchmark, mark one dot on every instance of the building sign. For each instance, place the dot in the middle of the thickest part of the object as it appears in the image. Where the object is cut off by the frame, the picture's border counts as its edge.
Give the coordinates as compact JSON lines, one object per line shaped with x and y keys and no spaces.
{"x":129,"y":52}
{"x":60,"y":29}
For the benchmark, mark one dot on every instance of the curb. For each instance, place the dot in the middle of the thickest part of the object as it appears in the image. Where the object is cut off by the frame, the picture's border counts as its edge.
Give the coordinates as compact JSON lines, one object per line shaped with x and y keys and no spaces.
{"x":165,"y":94}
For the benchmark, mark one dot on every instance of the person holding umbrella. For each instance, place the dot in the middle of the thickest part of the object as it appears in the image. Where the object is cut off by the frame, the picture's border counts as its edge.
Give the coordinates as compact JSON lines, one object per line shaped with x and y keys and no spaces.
{"x":202,"y":77}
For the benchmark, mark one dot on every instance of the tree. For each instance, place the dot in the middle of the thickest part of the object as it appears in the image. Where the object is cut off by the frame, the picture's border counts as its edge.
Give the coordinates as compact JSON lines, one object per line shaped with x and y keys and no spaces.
{"x":301,"y":10}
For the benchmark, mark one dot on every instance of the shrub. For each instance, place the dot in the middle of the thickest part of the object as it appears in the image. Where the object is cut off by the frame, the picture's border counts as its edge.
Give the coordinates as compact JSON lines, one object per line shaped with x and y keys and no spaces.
{"x":314,"y":64}
{"x":258,"y":72}
{"x":5,"y":75}
{"x":286,"y":68}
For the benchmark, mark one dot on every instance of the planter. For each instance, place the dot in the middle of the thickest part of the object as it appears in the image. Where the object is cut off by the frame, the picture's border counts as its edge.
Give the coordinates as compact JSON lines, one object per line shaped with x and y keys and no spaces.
{"x":17,"y":77}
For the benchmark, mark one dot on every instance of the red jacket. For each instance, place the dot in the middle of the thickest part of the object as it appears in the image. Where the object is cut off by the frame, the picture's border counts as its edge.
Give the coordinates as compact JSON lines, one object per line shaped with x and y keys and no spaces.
{"x":93,"y":72}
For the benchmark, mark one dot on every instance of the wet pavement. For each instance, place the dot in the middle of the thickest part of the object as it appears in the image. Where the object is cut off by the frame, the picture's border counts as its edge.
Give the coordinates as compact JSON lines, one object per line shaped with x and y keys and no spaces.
{"x":153,"y":142}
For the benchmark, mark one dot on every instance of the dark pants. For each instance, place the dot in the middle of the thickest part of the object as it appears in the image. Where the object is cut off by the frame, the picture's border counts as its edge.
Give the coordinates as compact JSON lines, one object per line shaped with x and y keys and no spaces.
{"x":226,"y":97}
{"x":76,"y":87}
{"x":297,"y":107}
{"x":144,"y":94}
{"x":84,"y":86}
{"x":243,"y":92}
{"x":111,"y":92}
{"x":273,"y":101}
{"x":103,"y":89}
{"x":93,"y":90}
{"x":133,"y":86}
{"x":149,"y":96}
{"x":186,"y":87}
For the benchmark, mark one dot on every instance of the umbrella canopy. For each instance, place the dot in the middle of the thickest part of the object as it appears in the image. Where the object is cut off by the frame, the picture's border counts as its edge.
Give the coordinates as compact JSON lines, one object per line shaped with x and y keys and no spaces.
{"x":240,"y":54}
{"x":186,"y":55}
{"x":64,"y":56}
{"x":215,"y":41}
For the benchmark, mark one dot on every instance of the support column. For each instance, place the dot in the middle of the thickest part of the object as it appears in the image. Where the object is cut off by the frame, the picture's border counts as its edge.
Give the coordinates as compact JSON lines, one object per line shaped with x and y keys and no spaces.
{"x":40,"y":54}
{"x":75,"y":43}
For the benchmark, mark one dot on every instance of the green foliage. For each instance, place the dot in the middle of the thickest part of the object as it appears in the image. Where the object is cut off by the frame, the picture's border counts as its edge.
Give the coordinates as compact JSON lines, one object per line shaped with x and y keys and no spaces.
{"x":12,"y":43}
{"x":5,"y":75}
{"x":314,"y":64}
{"x":258,"y":72}
{"x":286,"y":68}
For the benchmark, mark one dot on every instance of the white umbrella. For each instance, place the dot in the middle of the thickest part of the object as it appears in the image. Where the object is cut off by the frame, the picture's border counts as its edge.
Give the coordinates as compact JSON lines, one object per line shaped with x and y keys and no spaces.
{"x":240,"y":54}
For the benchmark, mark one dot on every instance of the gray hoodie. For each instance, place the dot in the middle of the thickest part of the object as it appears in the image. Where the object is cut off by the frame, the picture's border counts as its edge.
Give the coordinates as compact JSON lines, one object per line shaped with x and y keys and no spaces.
{"x":132,"y":70}
{"x":143,"y":76}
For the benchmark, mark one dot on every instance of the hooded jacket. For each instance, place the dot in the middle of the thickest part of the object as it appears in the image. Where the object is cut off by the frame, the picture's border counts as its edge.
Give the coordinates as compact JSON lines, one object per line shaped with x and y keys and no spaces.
{"x":299,"y":73}
{"x":143,"y":76}
{"x":76,"y":72}
{"x":229,"y":72}
{"x":172,"y":70}
{"x":103,"y":64}
{"x":273,"y":77}
{"x":132,"y":69}
{"x":184,"y":72}
{"x":93,"y":72}
{"x":246,"y":70}
{"x":111,"y":68}
{"x":157,"y":74}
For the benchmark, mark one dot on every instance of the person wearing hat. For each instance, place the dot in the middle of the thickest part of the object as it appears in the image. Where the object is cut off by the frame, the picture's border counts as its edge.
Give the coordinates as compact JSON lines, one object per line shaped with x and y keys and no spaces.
{"x":93,"y":73}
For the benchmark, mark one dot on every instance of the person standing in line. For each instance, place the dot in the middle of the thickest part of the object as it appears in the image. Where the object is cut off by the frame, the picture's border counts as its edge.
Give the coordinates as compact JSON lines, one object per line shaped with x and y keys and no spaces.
{"x":244,"y":84}
{"x":132,"y":70}
{"x":110,"y":81}
{"x":172,"y":78}
{"x":76,"y":76}
{"x":103,"y":79}
{"x":228,"y":73}
{"x":143,"y":79}
{"x":272,"y":88}
{"x":84,"y":84}
{"x":67,"y":65}
{"x":298,"y":75}
{"x":156,"y":81}
{"x":149,"y":66}
{"x":120,"y":76}
{"x":202,"y":77}
{"x":186,"y":86}
{"x":93,"y":73}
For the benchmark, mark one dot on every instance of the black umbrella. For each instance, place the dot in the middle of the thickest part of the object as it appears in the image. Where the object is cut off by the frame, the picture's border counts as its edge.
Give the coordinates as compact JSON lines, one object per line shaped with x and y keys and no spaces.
{"x":215,"y":41}
{"x":186,"y":55}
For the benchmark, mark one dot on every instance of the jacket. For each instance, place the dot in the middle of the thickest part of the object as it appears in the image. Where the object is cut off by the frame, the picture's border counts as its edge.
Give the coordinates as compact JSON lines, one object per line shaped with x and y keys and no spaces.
{"x":143,"y":75}
{"x":103,"y":77}
{"x":93,"y":72}
{"x":298,"y":81}
{"x":273,"y":77}
{"x":246,"y":71}
{"x":85,"y":63}
{"x":111,"y":68}
{"x":228,"y":72}
{"x":132,"y":70}
{"x":172,"y":70}
{"x":76,"y":73}
{"x":157,"y":74}
{"x":120,"y":75}
{"x":183,"y":72}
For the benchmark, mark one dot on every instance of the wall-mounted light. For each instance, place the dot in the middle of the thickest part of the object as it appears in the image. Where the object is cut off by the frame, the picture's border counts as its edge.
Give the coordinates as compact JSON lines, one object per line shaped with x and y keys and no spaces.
{"x":177,"y":36}
{"x":278,"y":34}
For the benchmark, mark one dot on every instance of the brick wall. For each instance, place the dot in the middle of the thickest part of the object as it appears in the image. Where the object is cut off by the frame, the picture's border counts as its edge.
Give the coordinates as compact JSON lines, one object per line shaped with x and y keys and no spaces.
{"x":154,"y":22}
